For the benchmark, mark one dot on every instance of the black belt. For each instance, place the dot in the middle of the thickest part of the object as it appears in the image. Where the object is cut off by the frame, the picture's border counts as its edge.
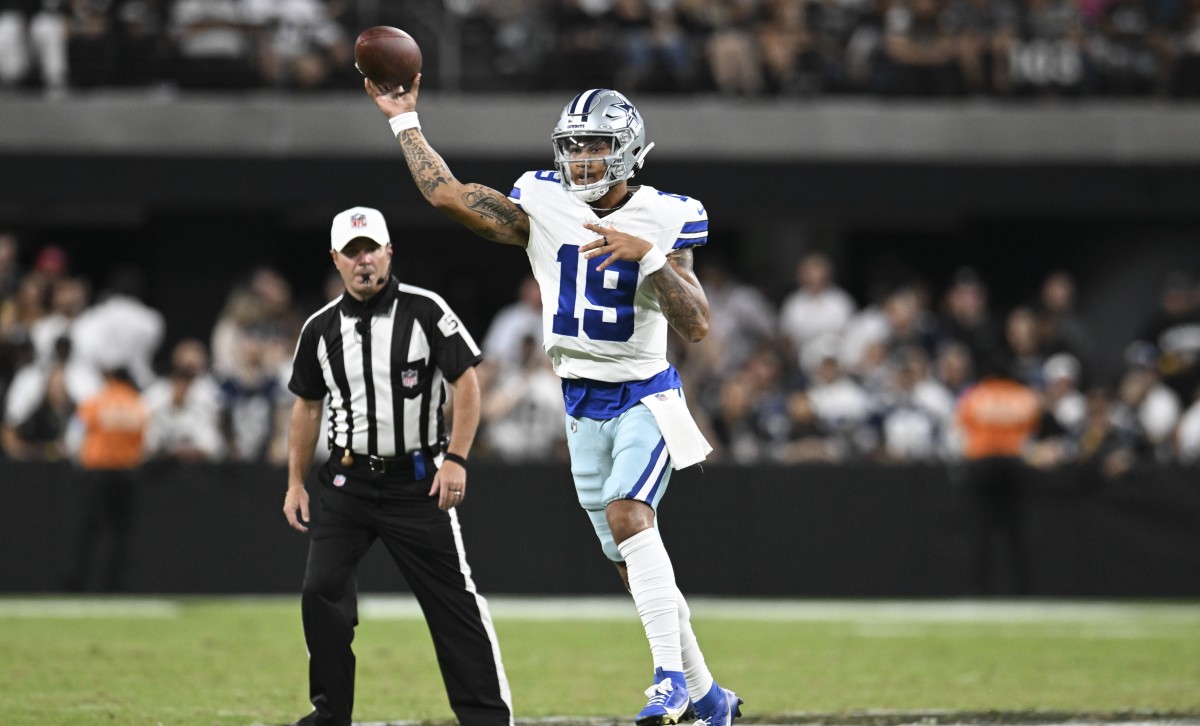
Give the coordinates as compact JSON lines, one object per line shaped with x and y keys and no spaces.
{"x":383,"y":464}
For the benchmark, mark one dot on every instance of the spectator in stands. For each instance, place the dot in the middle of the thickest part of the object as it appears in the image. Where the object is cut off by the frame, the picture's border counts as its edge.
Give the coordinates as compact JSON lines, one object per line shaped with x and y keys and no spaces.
{"x":997,"y":418}
{"x":765,"y":373}
{"x":843,"y":406}
{"x":805,"y":437}
{"x":983,"y":31}
{"x":68,"y":299}
{"x":817,"y":307}
{"x":868,"y":326}
{"x":92,"y":43}
{"x":144,"y":48}
{"x":1129,"y":49}
{"x":1060,"y":328}
{"x":1174,"y":333}
{"x":654,"y":53}
{"x":10,"y":265}
{"x":865,"y":65}
{"x":1103,"y":447}
{"x":215,"y":44}
{"x":185,"y":409}
{"x":1064,"y":409}
{"x":966,"y":318}
{"x":836,"y":27}
{"x":38,"y":408}
{"x":921,"y":54}
{"x":917,"y":412}
{"x":278,"y":313}
{"x":523,"y":410}
{"x":120,"y":331}
{"x":1064,"y":404}
{"x":1022,"y":347}
{"x":254,"y":402}
{"x":583,"y":55}
{"x":742,"y":318}
{"x":109,"y":428}
{"x":1187,"y":436}
{"x":909,"y":322}
{"x":504,"y":342}
{"x":302,"y":43}
{"x":736,"y":438}
{"x":1184,"y":45}
{"x":1048,"y":58}
{"x":786,"y":46}
{"x":24,"y":310}
{"x":1147,"y":407}
{"x":955,"y":367}
{"x":238,"y":316}
{"x":734,"y":57}
{"x":33,"y":33}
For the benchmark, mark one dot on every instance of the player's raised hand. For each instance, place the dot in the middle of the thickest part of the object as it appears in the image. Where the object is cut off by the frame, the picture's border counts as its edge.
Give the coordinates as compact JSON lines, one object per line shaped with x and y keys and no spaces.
{"x":617,"y":245}
{"x":394,"y":101}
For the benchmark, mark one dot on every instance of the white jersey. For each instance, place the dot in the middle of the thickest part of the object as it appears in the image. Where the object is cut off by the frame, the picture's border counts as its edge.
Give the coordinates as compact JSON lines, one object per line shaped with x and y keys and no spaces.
{"x":603,"y":326}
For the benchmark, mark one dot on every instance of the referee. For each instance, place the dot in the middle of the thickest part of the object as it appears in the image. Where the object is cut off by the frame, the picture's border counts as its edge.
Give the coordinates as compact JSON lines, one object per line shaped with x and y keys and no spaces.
{"x":382,"y":353}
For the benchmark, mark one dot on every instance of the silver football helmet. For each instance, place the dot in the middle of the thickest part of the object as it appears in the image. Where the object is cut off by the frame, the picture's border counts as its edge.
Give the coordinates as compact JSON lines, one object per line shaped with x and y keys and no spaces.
{"x":598,"y":115}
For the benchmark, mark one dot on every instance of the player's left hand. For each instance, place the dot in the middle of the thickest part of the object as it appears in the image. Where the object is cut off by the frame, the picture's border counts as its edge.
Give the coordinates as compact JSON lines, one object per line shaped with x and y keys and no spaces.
{"x":449,"y":485}
{"x":617,"y":245}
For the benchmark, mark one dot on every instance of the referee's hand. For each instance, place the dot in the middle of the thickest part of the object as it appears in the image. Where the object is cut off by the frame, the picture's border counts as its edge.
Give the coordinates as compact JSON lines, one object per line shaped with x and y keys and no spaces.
{"x":449,"y":485}
{"x":296,"y":501}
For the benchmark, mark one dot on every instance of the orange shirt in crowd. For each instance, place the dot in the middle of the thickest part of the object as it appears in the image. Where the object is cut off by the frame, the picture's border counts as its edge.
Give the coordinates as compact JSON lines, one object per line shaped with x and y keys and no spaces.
{"x":114,"y":423}
{"x":997,"y":417}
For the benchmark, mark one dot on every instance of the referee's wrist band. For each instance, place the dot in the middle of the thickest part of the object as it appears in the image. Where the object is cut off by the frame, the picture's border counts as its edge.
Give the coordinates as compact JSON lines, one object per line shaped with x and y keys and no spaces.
{"x":403,"y":122}
{"x":460,"y":460}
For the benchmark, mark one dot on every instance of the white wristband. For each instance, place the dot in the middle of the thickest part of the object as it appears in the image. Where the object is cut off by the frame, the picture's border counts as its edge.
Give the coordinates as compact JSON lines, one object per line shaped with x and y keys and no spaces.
{"x":652,"y":261}
{"x":403,"y":122}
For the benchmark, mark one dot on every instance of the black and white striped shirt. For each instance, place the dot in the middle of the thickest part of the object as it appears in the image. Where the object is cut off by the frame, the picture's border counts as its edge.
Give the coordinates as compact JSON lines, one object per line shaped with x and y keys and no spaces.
{"x":383,"y":363}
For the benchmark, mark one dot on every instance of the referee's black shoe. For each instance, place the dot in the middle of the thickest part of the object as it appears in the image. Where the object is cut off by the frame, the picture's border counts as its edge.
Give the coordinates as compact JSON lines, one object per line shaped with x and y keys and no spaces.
{"x":315,"y":719}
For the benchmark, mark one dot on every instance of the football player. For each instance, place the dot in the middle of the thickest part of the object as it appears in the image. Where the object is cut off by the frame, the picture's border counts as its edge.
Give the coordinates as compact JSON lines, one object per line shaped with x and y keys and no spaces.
{"x":614,"y":264}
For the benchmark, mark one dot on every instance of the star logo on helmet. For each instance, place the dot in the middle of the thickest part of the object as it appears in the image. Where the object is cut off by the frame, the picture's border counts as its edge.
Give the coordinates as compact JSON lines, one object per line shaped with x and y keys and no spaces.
{"x":631,"y":113}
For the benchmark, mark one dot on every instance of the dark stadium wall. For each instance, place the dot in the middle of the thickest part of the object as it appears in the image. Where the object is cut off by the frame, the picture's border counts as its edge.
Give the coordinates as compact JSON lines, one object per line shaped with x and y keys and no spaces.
{"x":807,"y":531}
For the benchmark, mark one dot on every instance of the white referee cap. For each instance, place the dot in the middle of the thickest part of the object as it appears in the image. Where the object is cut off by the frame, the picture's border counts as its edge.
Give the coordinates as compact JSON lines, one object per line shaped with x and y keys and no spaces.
{"x":358,"y":222}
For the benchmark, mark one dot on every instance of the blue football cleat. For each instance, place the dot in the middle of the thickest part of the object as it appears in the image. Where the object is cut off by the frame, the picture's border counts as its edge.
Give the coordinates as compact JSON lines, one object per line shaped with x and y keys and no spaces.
{"x":729,"y":707}
{"x":669,"y":701}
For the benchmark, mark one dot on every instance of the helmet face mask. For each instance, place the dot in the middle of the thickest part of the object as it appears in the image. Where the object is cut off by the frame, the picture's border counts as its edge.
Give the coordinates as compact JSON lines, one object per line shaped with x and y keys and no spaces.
{"x":599,"y":127}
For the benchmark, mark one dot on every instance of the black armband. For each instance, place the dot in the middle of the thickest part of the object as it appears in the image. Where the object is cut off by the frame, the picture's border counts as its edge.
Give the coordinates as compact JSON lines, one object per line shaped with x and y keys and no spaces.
{"x":460,"y":460}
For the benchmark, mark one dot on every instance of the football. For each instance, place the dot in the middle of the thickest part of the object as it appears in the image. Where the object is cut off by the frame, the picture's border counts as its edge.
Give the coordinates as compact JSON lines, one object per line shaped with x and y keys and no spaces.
{"x":388,"y":56}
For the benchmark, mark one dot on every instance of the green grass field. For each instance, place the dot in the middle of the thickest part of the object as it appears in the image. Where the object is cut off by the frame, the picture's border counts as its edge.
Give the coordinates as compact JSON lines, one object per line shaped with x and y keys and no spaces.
{"x":201,"y":662}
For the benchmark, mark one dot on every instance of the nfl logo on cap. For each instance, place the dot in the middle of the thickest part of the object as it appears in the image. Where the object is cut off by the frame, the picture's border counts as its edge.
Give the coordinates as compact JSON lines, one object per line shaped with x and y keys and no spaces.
{"x":358,"y":222}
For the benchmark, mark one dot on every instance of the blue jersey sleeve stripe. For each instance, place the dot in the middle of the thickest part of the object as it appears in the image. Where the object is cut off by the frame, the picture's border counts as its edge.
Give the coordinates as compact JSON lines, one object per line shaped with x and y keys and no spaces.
{"x":515,"y":193}
{"x":701,"y":226}
{"x":690,"y":242}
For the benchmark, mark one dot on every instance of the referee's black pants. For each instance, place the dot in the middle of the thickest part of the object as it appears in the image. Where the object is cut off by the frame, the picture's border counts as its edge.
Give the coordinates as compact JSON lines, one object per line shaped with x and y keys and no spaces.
{"x":424,"y":541}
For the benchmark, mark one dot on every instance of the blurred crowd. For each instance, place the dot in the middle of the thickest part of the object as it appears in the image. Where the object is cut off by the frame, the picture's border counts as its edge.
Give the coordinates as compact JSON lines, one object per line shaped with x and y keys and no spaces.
{"x":815,"y":376}
{"x":739,"y":47}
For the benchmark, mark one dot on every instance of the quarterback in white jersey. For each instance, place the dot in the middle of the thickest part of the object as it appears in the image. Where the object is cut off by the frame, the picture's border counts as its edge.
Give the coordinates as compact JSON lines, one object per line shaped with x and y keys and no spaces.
{"x":614,"y":264}
{"x":605,"y":326}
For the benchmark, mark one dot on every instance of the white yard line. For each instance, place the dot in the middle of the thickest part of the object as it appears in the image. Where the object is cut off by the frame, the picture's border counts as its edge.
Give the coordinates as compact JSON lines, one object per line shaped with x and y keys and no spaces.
{"x":84,"y":607}
{"x":874,"y":616}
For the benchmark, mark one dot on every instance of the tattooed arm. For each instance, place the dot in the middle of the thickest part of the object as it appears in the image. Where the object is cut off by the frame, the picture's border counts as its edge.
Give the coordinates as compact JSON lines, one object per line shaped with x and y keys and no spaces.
{"x":682,"y":299}
{"x":483,"y":210}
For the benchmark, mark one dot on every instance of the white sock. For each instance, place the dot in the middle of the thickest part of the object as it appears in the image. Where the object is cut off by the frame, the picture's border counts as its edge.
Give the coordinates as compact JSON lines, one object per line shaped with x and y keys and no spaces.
{"x":652,"y":582}
{"x":699,"y":680}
